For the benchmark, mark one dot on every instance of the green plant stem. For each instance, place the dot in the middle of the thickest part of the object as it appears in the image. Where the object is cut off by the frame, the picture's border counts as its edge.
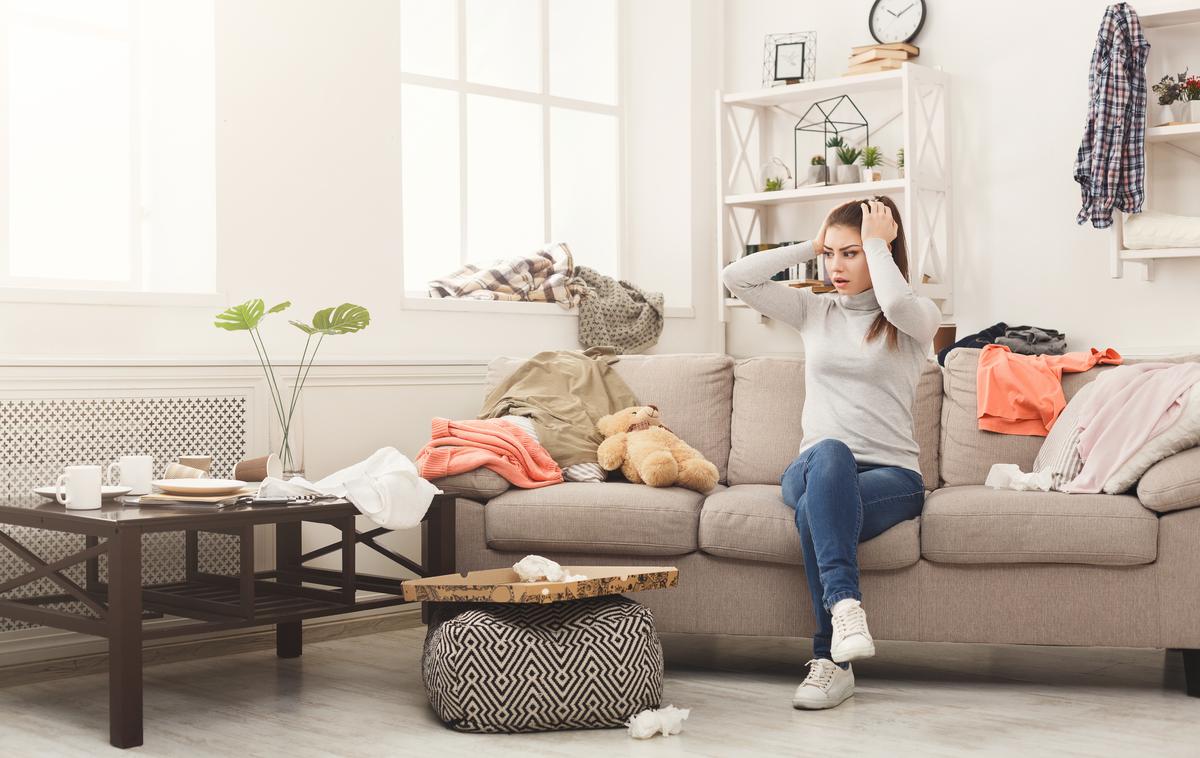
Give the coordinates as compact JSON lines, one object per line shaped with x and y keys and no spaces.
{"x":270,"y":372}
{"x":296,"y":394}
{"x":287,"y":426}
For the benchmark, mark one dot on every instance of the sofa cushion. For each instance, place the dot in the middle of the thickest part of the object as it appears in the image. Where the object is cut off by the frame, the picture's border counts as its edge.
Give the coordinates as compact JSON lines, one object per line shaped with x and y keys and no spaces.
{"x":977,"y":524}
{"x":968,"y":453}
{"x":479,"y":484}
{"x":1173,"y":483}
{"x":694,"y":391}
{"x":751,"y":522}
{"x":765,"y":431}
{"x":595,"y":517}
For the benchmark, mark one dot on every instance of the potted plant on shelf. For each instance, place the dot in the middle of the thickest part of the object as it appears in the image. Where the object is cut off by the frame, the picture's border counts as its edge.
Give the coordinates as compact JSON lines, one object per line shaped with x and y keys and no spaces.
{"x":833,"y":143}
{"x":1171,"y":99}
{"x":900,"y":161}
{"x":847,"y":172}
{"x":872,"y":159}
{"x":1191,"y":86}
{"x":776,"y":175}
{"x":817,"y":173}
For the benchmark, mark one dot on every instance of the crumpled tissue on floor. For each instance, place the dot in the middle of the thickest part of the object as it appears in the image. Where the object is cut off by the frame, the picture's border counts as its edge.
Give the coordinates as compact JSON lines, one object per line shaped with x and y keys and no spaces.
{"x":535,"y":568}
{"x":665,"y":721}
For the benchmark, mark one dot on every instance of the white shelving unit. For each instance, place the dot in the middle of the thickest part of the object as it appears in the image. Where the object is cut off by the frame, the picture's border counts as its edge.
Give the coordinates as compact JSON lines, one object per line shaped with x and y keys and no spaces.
{"x":923,"y":195}
{"x":1183,"y":137}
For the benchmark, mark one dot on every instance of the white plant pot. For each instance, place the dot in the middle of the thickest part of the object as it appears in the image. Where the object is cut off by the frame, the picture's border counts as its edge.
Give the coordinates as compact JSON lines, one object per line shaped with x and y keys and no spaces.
{"x":1193,"y":110}
{"x":871,"y":174}
{"x":1179,"y":110}
{"x":816,"y":175}
{"x":1164,"y":115}
{"x":848,"y":174}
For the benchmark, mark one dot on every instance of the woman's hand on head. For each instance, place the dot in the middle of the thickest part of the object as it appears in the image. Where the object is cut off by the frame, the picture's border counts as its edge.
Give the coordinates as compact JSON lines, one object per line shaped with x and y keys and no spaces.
{"x":877,"y":221}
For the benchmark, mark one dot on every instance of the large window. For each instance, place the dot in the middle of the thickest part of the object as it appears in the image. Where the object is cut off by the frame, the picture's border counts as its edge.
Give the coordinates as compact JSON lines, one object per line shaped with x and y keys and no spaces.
{"x":511,"y":132}
{"x":107,"y":131}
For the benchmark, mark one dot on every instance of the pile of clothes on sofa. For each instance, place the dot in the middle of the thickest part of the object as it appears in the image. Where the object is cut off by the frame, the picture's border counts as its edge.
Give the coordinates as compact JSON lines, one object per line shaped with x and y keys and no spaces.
{"x":1024,"y":340}
{"x":1111,"y":432}
{"x":562,"y":415}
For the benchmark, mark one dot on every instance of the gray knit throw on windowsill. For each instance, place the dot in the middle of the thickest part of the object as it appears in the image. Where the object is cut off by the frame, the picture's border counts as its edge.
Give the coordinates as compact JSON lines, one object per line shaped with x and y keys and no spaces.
{"x":615,"y":312}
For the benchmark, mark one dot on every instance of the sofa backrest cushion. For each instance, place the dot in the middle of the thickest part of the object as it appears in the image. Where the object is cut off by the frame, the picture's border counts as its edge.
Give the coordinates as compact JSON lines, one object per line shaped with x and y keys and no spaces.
{"x":694,"y":392}
{"x":768,"y":400}
{"x":967,"y":452}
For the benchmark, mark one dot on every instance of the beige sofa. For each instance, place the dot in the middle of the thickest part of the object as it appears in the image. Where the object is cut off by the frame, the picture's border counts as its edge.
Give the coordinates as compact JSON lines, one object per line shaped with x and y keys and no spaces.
{"x":979,"y":565}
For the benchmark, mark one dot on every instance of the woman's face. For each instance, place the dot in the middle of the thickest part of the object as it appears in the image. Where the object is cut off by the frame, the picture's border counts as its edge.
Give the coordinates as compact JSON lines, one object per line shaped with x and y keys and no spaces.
{"x":845,"y":261}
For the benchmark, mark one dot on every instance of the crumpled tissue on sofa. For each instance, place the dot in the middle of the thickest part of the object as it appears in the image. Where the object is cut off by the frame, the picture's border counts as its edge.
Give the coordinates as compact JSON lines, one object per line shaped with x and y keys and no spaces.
{"x":535,"y":568}
{"x":664,"y":721}
{"x":1008,"y":476}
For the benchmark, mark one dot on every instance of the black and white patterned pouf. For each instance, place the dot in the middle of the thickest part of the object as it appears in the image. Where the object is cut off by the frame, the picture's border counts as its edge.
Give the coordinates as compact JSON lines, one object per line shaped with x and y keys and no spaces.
{"x":577,"y":664}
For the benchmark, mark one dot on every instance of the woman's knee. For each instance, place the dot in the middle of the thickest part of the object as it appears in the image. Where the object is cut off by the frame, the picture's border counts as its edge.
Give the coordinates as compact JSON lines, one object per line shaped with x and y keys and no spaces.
{"x":832,"y":452}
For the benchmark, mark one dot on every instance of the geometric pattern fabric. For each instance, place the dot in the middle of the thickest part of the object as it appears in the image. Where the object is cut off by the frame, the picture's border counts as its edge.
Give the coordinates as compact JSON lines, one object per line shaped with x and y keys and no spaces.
{"x":510,"y":667}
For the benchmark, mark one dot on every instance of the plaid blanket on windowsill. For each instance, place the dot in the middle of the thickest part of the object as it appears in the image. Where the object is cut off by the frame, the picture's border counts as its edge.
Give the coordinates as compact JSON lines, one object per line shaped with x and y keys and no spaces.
{"x":547,"y":276}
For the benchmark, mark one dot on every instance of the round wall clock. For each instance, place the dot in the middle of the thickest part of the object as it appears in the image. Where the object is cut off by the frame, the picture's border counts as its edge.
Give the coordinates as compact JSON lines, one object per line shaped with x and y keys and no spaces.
{"x":896,"y":20}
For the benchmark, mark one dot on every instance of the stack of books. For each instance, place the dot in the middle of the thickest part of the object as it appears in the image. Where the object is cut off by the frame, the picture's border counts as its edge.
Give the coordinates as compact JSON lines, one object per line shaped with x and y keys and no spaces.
{"x":869,"y":59}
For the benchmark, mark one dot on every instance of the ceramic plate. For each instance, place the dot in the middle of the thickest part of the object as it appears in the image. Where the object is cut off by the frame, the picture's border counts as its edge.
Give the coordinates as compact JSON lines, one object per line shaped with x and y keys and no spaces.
{"x":107,"y":492}
{"x":199,"y":486}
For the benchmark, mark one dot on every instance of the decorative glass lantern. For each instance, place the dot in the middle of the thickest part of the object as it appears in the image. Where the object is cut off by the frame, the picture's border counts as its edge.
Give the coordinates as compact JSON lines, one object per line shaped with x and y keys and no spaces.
{"x":830,"y":118}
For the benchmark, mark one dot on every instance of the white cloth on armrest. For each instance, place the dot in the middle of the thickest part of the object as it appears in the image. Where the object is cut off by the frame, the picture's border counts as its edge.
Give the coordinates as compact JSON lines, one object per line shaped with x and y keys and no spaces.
{"x":385,"y":488}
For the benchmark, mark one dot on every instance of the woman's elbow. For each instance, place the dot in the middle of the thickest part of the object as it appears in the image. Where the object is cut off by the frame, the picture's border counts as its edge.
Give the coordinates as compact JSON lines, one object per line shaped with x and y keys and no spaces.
{"x":731,"y":280}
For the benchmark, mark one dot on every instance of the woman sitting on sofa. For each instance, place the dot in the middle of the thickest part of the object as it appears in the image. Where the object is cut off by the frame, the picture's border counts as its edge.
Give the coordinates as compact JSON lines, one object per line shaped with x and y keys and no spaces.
{"x":857,"y":473}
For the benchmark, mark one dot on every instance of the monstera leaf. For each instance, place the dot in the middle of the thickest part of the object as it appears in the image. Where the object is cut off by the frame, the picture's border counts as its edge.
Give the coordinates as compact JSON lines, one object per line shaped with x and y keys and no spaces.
{"x":347,"y":318}
{"x":240,"y":318}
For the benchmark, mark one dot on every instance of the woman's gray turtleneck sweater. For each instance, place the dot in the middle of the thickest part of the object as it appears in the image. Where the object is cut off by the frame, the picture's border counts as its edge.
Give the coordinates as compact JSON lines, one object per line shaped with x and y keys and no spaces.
{"x":859,"y":392}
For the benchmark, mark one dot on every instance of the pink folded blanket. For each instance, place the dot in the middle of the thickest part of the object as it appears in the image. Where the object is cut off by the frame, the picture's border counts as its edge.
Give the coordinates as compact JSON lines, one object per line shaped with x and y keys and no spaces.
{"x":456,"y":447}
{"x":1126,"y":407}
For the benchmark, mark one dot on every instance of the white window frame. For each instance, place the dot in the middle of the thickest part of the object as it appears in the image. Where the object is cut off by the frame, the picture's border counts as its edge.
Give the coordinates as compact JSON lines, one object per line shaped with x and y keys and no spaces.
{"x":418,"y":299}
{"x":66,"y":290}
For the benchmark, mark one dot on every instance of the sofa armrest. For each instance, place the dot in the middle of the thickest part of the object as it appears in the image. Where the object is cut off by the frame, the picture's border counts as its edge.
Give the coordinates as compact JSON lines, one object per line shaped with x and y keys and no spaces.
{"x":481,"y":485}
{"x":1173,"y":483}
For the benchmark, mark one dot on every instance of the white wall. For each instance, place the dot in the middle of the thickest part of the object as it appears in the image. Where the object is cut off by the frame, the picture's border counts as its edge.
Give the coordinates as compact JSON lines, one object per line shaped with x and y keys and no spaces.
{"x":307,"y":185}
{"x":1018,"y":104}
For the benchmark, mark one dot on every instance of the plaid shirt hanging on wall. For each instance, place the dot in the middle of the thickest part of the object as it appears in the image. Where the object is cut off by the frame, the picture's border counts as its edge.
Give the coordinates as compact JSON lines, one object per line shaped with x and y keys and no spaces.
{"x":1111,"y":163}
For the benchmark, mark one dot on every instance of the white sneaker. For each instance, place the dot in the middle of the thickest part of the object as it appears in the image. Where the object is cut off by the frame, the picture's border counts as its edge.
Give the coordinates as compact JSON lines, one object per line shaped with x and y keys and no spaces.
{"x":826,"y":685}
{"x":851,"y":638}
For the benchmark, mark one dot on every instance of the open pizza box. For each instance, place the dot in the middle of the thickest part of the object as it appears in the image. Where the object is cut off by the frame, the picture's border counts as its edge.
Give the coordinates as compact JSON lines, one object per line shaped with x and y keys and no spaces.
{"x":505,"y":586}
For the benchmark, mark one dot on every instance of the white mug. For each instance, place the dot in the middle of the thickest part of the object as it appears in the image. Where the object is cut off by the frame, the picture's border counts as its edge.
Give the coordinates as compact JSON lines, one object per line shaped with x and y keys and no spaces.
{"x":134,"y":471}
{"x":82,"y":488}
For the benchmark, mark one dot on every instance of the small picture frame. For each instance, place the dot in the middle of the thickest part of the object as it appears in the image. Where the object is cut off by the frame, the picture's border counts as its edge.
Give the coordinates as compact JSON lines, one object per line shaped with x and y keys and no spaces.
{"x":789,"y":58}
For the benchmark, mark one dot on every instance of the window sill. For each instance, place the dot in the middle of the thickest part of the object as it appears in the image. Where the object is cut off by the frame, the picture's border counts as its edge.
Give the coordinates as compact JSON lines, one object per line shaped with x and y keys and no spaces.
{"x":420,"y":303}
{"x":111,"y":297}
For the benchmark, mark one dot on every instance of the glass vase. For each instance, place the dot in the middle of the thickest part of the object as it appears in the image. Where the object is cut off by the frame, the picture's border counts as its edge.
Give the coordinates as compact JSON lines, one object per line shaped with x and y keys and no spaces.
{"x":290,"y":447}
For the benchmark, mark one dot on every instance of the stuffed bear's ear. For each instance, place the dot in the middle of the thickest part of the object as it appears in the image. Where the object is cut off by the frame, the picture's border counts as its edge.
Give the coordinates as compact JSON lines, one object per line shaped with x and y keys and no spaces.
{"x":607,"y":425}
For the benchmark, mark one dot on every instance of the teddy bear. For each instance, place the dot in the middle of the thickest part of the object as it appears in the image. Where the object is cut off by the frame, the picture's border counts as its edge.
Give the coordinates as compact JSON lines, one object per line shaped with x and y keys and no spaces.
{"x":636,"y":442}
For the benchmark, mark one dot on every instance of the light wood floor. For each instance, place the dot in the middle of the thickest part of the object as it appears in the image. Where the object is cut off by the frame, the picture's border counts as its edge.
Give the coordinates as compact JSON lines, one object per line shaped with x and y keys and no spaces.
{"x":363,"y":697}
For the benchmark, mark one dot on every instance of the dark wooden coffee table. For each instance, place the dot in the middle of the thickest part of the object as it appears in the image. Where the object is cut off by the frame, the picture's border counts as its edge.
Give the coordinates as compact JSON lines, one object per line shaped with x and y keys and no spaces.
{"x":282,"y":597}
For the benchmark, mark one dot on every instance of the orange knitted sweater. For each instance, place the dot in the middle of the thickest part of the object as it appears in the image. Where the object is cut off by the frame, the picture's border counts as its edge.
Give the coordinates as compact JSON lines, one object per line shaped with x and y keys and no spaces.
{"x":1022,"y":394}
{"x":456,"y":447}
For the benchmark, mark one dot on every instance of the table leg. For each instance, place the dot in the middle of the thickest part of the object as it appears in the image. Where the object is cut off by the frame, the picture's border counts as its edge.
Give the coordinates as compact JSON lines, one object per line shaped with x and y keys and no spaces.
{"x":125,"y":638}
{"x":438,"y":544}
{"x":92,"y":571}
{"x":191,"y":554}
{"x":289,"y":637}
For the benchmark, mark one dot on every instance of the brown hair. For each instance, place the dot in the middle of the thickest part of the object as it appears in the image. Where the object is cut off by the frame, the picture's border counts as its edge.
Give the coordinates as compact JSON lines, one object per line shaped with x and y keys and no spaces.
{"x":850,"y":214}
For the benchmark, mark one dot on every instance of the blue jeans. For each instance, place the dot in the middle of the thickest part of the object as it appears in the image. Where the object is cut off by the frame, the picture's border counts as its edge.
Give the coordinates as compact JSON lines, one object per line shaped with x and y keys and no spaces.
{"x":839,"y":503}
